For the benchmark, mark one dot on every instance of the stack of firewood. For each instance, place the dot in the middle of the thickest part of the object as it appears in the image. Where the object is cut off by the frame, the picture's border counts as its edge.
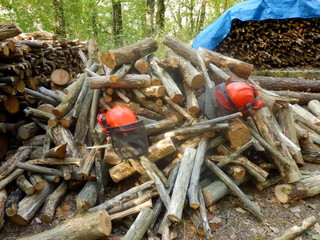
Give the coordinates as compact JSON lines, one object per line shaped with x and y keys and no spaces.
{"x":190,"y":158}
{"x":29,"y":62}
{"x":274,"y":43}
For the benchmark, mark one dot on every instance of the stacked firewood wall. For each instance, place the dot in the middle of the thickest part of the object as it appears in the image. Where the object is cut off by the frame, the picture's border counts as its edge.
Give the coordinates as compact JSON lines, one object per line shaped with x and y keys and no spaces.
{"x":190,"y":158}
{"x":274,"y":43}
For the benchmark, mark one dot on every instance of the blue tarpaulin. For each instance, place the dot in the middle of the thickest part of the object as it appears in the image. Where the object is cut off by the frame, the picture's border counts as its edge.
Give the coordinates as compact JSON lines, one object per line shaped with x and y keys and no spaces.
{"x":256,"y":10}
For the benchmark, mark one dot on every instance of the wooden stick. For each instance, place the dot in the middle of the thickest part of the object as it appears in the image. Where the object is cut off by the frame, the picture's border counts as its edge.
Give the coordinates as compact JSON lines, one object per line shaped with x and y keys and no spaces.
{"x":140,"y":225}
{"x":25,"y":185}
{"x":195,"y":175}
{"x":87,"y":197}
{"x":181,"y":185}
{"x":11,"y":206}
{"x":235,"y":188}
{"x":52,"y":201}
{"x":4,"y":182}
{"x":83,"y":227}
{"x":3,"y":198}
{"x":88,"y":163}
{"x":55,"y":161}
{"x":296,"y":231}
{"x":314,"y":106}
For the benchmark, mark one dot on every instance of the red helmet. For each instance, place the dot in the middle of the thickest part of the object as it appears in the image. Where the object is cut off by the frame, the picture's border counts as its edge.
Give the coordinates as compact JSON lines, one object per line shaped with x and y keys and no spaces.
{"x":238,"y":96}
{"x":119,"y":116}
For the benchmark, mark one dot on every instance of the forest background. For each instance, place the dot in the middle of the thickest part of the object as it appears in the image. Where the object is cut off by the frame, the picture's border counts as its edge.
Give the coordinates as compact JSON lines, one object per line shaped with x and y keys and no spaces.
{"x":114,"y":23}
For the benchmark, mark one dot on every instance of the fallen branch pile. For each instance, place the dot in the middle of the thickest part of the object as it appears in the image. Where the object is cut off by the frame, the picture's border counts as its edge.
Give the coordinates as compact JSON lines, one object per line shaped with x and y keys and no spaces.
{"x":190,"y":159}
{"x":274,"y":43}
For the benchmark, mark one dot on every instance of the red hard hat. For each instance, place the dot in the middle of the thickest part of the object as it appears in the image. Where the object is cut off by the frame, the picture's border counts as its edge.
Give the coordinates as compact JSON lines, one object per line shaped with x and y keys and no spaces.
{"x":239,"y":96}
{"x":119,"y":116}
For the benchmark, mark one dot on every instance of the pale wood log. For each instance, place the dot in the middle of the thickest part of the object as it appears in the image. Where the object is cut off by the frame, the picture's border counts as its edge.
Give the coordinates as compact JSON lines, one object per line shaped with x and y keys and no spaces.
{"x":66,"y":121}
{"x":29,"y":205}
{"x":218,"y":189}
{"x":28,"y":130}
{"x":235,"y":189}
{"x":38,"y":169}
{"x":88,"y":163}
{"x":140,"y":225}
{"x":57,"y":152}
{"x":57,"y":95}
{"x":41,"y":97}
{"x":179,"y":191}
{"x":286,"y":122}
{"x":297,"y":109}
{"x":39,"y":114}
{"x":87,"y":227}
{"x":9,"y":30}
{"x":302,"y":98}
{"x":23,"y":183}
{"x":9,"y":166}
{"x":60,"y":77}
{"x":240,"y":68}
{"x":171,"y":87}
{"x":88,"y":196}
{"x":52,"y":201}
{"x":61,"y":135}
{"x":65,"y":106}
{"x":208,"y":83}
{"x":4,"y":182}
{"x":34,"y":141}
{"x":292,"y":84}
{"x":118,"y":74}
{"x":268,"y":183}
{"x":3,"y":198}
{"x":57,"y":161}
{"x":37,"y":181}
{"x":110,"y":156}
{"x":115,"y":201}
{"x":128,"y":81}
{"x":266,"y":124}
{"x":203,"y":214}
{"x":238,"y":133}
{"x":130,"y":211}
{"x":195,"y":175}
{"x":138,"y":94}
{"x":46,"y":107}
{"x":164,"y":195}
{"x":295,"y":231}
{"x":307,"y":123}
{"x":180,"y":110}
{"x":153,"y":91}
{"x":51,"y":178}
{"x":141,"y":65}
{"x":314,"y":106}
{"x":134,"y":202}
{"x":218,"y":75}
{"x":161,"y":125}
{"x":130,"y":53}
{"x":182,"y":49}
{"x":192,"y":104}
{"x":191,"y":76}
{"x":306,"y":187}
{"x":11,"y":204}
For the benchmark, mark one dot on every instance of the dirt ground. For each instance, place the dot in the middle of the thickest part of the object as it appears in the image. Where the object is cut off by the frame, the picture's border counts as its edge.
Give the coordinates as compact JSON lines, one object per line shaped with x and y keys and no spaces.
{"x":229,"y":218}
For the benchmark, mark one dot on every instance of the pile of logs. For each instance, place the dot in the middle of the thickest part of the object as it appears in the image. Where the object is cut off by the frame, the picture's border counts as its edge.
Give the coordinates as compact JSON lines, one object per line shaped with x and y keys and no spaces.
{"x":29,"y":62}
{"x":190,"y":159}
{"x":274,"y":43}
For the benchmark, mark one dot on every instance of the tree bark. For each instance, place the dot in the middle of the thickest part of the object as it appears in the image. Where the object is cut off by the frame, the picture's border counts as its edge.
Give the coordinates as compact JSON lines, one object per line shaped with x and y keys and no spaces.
{"x":8,"y":30}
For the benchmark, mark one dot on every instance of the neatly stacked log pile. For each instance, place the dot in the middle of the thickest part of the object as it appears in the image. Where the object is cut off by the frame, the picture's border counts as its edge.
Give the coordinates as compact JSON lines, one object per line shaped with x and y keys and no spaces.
{"x":189,"y":158}
{"x":27,"y":63}
{"x":274,"y":43}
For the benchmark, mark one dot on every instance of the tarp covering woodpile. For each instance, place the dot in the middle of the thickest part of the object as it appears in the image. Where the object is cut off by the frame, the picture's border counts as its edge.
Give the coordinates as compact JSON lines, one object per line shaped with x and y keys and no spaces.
{"x":261,"y":32}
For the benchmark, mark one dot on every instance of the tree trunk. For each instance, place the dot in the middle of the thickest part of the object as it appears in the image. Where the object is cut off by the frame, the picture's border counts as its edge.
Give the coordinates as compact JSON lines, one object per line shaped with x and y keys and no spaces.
{"x":160,"y":16}
{"x":60,"y":28}
{"x":117,"y":21}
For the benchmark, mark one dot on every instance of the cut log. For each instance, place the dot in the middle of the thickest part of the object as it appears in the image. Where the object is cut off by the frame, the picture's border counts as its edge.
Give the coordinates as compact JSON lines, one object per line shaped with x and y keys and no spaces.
{"x":314,"y":106}
{"x":9,"y":166}
{"x":302,"y":97}
{"x":128,"y":81}
{"x":86,"y":227}
{"x":180,"y":188}
{"x":161,"y":125}
{"x":28,"y":130}
{"x":57,"y":152}
{"x":142,"y":66}
{"x":29,"y":205}
{"x":41,"y":97}
{"x":266,"y":124}
{"x":238,"y":133}
{"x":305,"y":114}
{"x":52,"y":201}
{"x":192,"y":104}
{"x":9,"y":30}
{"x":140,"y":225}
{"x":37,"y":181}
{"x":130,"y":211}
{"x":25,"y":185}
{"x":12,"y":104}
{"x":60,"y":77}
{"x":88,"y":196}
{"x":195,"y":176}
{"x":304,"y":188}
{"x":239,"y":68}
{"x":128,"y":54}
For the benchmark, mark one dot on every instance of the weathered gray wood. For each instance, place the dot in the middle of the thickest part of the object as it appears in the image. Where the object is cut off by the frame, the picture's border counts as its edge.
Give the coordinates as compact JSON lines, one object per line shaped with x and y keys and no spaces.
{"x":195,"y":176}
{"x":4,"y":182}
{"x":181,"y":185}
{"x":3,"y":198}
{"x":88,"y":196}
{"x":23,"y":183}
{"x":140,"y":225}
{"x":52,"y":201}
{"x":11,"y":206}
